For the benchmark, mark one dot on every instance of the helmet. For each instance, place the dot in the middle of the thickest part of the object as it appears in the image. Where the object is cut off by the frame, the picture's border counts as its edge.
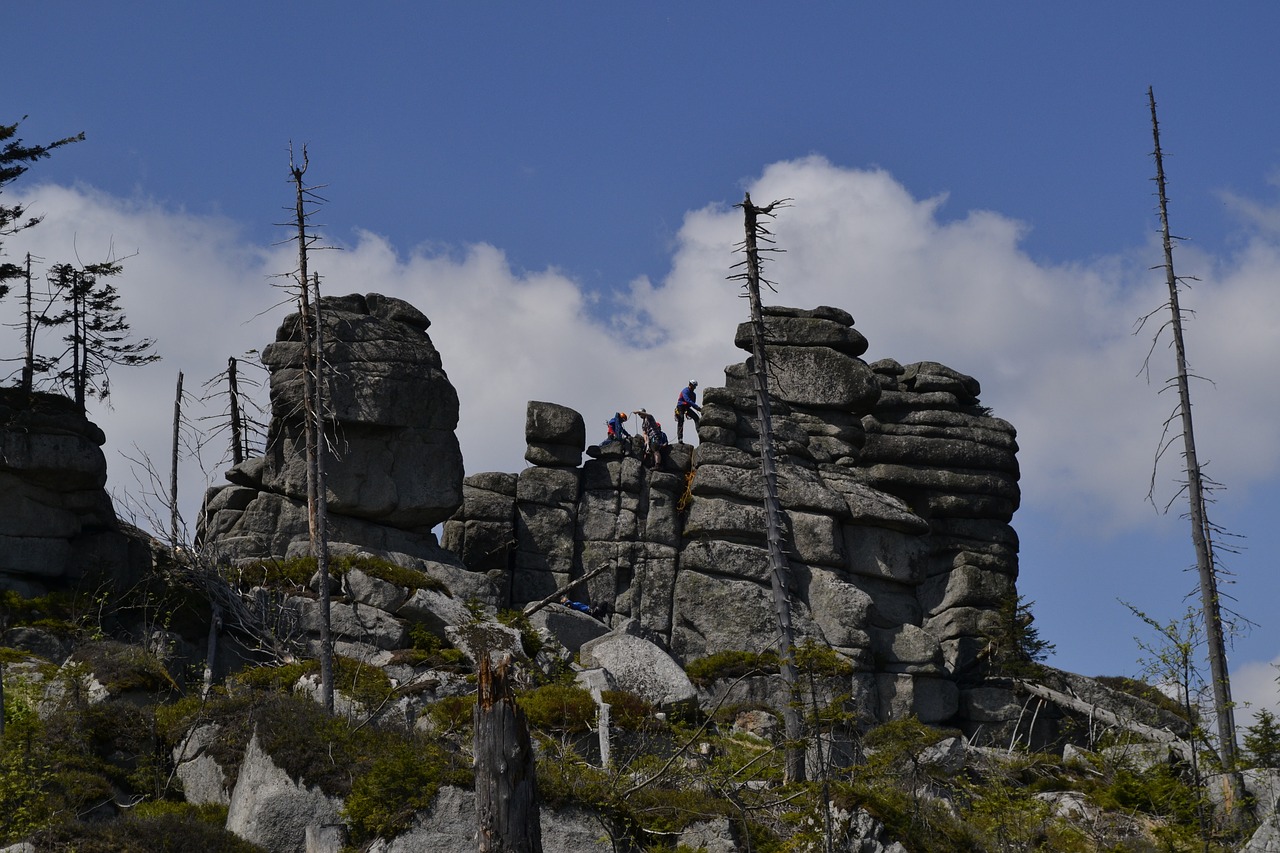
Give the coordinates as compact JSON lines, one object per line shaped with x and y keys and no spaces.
{"x":622,"y":416}
{"x":693,"y":383}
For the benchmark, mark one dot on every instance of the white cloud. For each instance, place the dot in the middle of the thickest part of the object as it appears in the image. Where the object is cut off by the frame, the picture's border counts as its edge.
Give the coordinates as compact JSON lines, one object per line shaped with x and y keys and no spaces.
{"x":1052,"y":345}
{"x":1254,"y":688}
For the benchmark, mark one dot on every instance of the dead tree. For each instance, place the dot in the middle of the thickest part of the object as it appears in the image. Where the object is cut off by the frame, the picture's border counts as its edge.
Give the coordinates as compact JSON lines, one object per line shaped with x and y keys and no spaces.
{"x":309,"y":318}
{"x":1201,"y":530}
{"x":780,"y":573}
{"x":174,"y":517}
{"x":506,"y":777}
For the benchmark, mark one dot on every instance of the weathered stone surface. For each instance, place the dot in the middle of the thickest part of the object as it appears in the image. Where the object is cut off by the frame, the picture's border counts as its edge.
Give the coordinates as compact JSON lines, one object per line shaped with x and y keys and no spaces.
{"x":931,"y":699}
{"x":477,"y":639}
{"x":821,"y":377}
{"x":437,"y":611}
{"x":272,"y":810}
{"x":374,"y":592}
{"x":990,"y":704}
{"x":907,"y":648}
{"x":639,"y":667}
{"x":717,"y":614}
{"x":880,"y":553}
{"x":805,"y":332}
{"x":550,"y":423}
{"x":840,"y":609}
{"x":396,"y":462}
{"x":482,"y":545}
{"x":966,"y":586}
{"x":56,"y":521}
{"x":717,"y":518}
{"x":570,"y":627}
{"x":203,"y":779}
{"x":547,"y":486}
{"x":355,"y":622}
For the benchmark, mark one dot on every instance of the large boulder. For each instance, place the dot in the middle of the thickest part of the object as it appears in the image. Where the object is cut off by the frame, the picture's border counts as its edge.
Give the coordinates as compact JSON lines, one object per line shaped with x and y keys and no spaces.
{"x":57,"y":523}
{"x":396,"y":469}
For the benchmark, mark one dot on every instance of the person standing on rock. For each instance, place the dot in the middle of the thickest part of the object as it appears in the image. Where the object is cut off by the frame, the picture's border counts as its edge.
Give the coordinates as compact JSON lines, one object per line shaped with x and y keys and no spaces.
{"x":687,"y":407}
{"x":617,"y":432}
{"x":655,"y":440}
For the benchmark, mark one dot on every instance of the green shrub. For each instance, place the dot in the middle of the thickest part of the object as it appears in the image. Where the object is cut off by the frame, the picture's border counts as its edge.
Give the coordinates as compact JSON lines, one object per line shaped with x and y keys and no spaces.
{"x":377,"y":567}
{"x":629,"y":711}
{"x":274,"y":574}
{"x":452,"y":713}
{"x":121,"y":667}
{"x":397,"y":784}
{"x":530,"y":641}
{"x":363,"y":682}
{"x":1145,"y":692}
{"x":298,"y":571}
{"x":822,"y":661}
{"x":173,"y":832}
{"x":731,"y":664}
{"x":558,"y":707}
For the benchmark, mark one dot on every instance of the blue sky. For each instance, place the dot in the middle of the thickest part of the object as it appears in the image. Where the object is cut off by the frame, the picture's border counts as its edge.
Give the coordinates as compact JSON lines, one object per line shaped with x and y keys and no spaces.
{"x":552,"y":186}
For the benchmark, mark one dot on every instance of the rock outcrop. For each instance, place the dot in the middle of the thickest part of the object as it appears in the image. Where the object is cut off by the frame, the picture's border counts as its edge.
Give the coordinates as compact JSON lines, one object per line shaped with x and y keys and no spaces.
{"x":395,"y":470}
{"x":897,"y":485}
{"x":57,"y":523}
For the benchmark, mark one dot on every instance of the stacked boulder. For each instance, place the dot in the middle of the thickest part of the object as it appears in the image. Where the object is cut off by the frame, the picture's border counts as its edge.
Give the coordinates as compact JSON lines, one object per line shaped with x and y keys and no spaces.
{"x":57,"y":523}
{"x":897,"y":489}
{"x":395,"y":470}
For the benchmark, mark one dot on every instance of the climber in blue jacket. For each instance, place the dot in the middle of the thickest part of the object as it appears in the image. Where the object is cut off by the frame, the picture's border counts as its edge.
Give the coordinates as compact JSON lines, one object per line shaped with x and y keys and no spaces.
{"x":617,"y":432}
{"x":687,"y":407}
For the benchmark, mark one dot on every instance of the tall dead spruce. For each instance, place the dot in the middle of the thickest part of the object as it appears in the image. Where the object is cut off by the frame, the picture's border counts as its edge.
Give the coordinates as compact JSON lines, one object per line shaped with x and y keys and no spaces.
{"x":313,"y":384}
{"x":1195,"y":486}
{"x":780,"y":567}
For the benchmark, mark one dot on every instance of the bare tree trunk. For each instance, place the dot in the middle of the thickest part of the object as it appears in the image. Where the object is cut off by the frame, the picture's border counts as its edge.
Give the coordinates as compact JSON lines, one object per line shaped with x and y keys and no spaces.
{"x":531,"y":609}
{"x":311,"y":427}
{"x":77,"y":333}
{"x":1200,"y":531}
{"x":780,"y":574}
{"x":237,"y":426}
{"x":321,"y":544}
{"x":506,"y":778}
{"x":29,"y":360}
{"x":211,"y":648}
{"x":173,"y":466}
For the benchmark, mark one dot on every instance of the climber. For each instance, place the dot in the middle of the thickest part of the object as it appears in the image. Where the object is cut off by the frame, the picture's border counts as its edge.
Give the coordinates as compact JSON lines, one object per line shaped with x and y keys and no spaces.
{"x":655,"y":448}
{"x":655,"y":440}
{"x":687,"y":407}
{"x":617,"y":432}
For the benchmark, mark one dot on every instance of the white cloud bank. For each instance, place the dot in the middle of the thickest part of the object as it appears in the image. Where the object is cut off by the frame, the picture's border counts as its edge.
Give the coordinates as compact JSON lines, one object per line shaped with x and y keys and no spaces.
{"x":1052,"y":344}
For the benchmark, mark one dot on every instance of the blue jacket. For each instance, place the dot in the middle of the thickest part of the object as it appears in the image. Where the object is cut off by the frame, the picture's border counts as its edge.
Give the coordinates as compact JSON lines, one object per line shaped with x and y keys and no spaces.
{"x":688,"y":398}
{"x":616,"y":429}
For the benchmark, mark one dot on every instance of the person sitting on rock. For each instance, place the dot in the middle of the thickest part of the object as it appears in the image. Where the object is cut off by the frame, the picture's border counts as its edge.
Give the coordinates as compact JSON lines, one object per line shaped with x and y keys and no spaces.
{"x":617,"y":432}
{"x":687,"y":407}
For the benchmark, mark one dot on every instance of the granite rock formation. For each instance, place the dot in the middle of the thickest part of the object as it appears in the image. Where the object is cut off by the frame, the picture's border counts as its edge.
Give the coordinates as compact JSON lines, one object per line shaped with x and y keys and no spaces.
{"x":57,"y":523}
{"x":897,"y":485}
{"x":395,"y":470}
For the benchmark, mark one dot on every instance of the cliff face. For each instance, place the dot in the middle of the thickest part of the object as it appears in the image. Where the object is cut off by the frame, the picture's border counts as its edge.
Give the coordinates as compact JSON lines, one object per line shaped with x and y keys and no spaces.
{"x":395,"y":469}
{"x":897,"y":486}
{"x":57,"y":523}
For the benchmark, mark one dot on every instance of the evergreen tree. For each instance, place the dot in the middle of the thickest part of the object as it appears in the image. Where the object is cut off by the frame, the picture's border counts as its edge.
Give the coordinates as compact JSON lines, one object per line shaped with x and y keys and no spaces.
{"x":99,"y":336}
{"x":15,"y":158}
{"x":1262,"y":740}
